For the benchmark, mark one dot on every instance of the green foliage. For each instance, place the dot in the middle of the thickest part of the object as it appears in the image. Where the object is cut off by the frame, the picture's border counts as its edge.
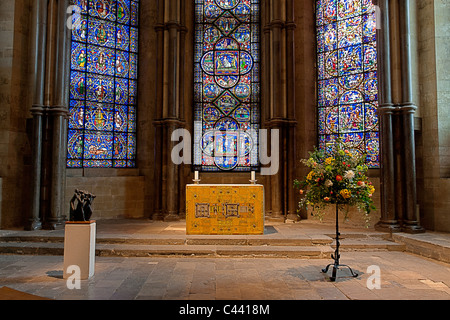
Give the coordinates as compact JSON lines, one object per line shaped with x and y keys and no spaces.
{"x":337,"y":177}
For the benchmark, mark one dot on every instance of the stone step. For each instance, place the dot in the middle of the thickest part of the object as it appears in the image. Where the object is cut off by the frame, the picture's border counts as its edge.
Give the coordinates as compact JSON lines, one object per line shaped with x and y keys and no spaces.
{"x":187,"y":240}
{"x":302,"y":249}
{"x":369,"y":245}
{"x":310,"y":252}
{"x":127,"y":250}
{"x":32,"y":248}
{"x":293,"y":240}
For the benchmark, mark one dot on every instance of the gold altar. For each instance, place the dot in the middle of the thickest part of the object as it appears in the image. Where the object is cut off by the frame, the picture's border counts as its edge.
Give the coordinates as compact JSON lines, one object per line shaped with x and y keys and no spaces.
{"x":224,"y":209}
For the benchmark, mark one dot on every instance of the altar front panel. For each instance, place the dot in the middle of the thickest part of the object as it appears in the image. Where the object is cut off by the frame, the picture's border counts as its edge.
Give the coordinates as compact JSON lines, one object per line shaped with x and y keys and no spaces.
{"x":224,"y":209}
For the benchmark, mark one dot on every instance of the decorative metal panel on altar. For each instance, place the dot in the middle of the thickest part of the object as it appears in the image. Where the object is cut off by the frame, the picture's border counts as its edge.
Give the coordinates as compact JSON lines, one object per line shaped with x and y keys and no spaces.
{"x":224,"y":209}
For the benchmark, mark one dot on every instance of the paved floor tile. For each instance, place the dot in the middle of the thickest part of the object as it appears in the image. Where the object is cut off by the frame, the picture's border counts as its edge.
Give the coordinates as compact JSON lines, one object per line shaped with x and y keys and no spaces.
{"x":402,"y":276}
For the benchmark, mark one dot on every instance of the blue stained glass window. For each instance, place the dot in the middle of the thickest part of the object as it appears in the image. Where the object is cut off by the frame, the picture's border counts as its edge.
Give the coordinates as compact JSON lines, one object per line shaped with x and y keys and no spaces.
{"x":227,"y":85}
{"x":103,"y":84}
{"x":347,"y":76}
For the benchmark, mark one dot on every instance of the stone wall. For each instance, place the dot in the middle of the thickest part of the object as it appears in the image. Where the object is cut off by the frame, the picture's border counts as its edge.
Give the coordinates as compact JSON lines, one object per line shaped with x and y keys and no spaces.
{"x":14,"y":144}
{"x":442,"y":41}
{"x":6,"y":58}
{"x":434,"y":140}
{"x":119,"y":193}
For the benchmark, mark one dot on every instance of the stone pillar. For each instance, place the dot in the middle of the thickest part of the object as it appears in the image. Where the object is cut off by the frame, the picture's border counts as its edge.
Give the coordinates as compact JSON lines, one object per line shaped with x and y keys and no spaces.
{"x":34,"y":222}
{"x":389,"y":220}
{"x":181,"y":93}
{"x":56,"y":96}
{"x":266,"y":96}
{"x":398,"y":167}
{"x":171,"y":195}
{"x":56,"y":217}
{"x":159,"y":67}
{"x":170,"y":34}
{"x":407,"y":110}
{"x":37,"y":56}
{"x":291,"y":144}
{"x":275,"y":122}
{"x":279,"y":103}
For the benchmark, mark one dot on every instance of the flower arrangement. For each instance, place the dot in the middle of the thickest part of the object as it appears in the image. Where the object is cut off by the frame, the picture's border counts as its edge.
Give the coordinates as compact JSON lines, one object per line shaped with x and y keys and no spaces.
{"x":336,"y":177}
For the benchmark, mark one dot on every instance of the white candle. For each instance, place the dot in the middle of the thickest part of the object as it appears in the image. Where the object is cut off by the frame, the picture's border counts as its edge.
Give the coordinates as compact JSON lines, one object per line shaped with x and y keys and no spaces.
{"x":196,"y":175}
{"x":253,"y":175}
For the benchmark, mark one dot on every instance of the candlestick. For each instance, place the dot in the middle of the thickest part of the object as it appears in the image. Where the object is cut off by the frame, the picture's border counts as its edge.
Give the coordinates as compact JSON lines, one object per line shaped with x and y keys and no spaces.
{"x":253,"y":179}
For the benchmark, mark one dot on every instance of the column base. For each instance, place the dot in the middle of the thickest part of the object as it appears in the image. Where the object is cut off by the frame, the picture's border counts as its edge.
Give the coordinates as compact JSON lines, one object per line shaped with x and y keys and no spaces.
{"x":171,"y":217}
{"x":390,"y":227}
{"x":293,"y":216}
{"x":413,"y":229}
{"x":33,"y":224}
{"x":275,"y":217}
{"x":58,"y":224}
{"x":157,"y":216}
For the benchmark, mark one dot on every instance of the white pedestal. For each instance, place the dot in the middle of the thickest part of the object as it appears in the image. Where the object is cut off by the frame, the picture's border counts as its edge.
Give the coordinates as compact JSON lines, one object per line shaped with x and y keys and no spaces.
{"x":79,"y":248}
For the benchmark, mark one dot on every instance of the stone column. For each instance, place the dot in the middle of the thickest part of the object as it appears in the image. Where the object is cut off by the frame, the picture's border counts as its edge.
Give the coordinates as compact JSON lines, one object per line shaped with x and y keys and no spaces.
{"x":56,"y":219}
{"x":171,"y":195}
{"x":407,"y":110}
{"x":389,"y":220}
{"x":181,"y":93}
{"x":266,"y":96}
{"x":58,"y":86}
{"x":276,"y":122}
{"x":170,"y":40}
{"x":37,"y":57}
{"x":291,"y":26}
{"x":159,"y":28}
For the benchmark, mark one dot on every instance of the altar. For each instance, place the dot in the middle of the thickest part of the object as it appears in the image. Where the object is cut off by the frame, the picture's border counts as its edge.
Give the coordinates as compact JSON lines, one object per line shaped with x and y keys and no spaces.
{"x":224,"y":209}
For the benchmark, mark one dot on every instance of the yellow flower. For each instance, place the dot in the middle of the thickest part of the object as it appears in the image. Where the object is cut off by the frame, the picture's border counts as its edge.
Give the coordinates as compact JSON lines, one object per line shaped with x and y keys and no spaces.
{"x":371,"y":189}
{"x":345,"y":193}
{"x":329,"y":160}
{"x":310,"y":175}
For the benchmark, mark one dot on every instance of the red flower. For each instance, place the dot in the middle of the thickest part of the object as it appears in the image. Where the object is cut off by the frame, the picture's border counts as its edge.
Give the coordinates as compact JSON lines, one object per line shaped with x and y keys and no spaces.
{"x":338,"y":178}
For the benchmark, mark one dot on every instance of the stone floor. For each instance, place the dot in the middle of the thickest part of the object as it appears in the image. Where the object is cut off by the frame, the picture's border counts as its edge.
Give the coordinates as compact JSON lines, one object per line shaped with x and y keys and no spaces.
{"x":403,"y":275}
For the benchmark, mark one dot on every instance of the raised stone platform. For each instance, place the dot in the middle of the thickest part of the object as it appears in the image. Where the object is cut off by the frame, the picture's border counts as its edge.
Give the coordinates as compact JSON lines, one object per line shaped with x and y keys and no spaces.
{"x":145,"y":238}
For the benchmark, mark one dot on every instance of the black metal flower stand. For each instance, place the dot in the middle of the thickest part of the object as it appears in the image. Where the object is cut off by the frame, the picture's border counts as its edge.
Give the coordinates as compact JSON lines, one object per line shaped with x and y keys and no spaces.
{"x":336,"y":265}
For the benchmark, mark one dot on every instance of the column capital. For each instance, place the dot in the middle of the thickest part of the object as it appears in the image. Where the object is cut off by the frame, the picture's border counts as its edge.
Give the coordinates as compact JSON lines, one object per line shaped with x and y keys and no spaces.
{"x":173,"y":25}
{"x":406,"y":107}
{"x":159,"y":27}
{"x":59,"y":111}
{"x":291,"y":25}
{"x":169,"y":121}
{"x":387,"y":108}
{"x":278,"y":23}
{"x":280,"y":122}
{"x":37,"y":109}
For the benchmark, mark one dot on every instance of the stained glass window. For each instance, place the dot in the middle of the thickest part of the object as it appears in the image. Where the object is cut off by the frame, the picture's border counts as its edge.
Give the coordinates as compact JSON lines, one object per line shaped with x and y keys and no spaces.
{"x":347,"y":76}
{"x":227,"y":85}
{"x":103,"y":84}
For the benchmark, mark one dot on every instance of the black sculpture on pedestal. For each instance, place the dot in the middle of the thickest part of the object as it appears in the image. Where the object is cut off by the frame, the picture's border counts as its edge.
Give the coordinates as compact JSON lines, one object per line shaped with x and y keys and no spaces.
{"x":336,"y":255}
{"x":80,"y":206}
